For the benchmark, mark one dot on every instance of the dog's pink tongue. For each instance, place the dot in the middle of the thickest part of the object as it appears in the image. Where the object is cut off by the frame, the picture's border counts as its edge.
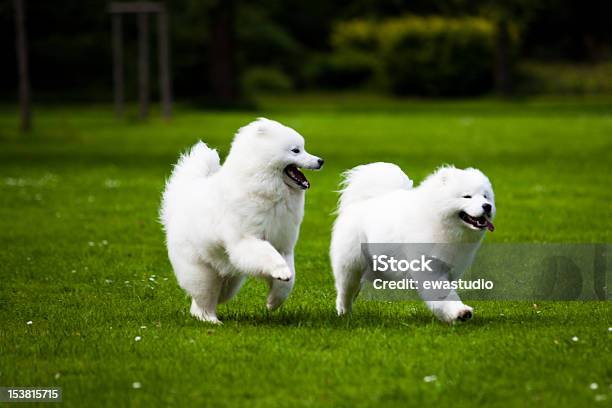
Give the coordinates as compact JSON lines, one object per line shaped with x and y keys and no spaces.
{"x":490,"y":226}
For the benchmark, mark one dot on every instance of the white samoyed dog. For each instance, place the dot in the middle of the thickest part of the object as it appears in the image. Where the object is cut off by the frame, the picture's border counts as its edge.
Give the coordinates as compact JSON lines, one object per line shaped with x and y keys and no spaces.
{"x":378,"y":204}
{"x":224,"y":223}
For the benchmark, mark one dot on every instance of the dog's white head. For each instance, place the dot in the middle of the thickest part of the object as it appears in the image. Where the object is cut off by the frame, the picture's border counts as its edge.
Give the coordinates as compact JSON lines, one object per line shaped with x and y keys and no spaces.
{"x":464,"y":196}
{"x":268,"y":144}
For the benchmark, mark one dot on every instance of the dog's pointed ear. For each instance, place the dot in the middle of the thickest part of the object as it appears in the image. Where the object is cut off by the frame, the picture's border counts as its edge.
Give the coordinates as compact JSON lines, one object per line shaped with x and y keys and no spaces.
{"x":445,"y":173}
{"x":262,"y":126}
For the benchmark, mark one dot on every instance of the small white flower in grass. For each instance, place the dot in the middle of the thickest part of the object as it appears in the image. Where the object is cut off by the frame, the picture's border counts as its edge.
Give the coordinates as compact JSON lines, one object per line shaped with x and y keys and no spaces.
{"x":73,"y":271}
{"x":137,"y":338}
{"x":575,"y":338}
{"x":600,"y":397}
{"x":152,"y":279}
{"x":594,"y":386}
{"x":167,"y":279}
{"x":91,"y":243}
{"x":104,"y":242}
{"x":136,"y":385}
{"x":57,"y":375}
{"x":109,"y":183}
{"x":143,"y":327}
{"x":609,"y":328}
{"x":29,"y":322}
{"x":467,"y":121}
{"x":430,"y":378}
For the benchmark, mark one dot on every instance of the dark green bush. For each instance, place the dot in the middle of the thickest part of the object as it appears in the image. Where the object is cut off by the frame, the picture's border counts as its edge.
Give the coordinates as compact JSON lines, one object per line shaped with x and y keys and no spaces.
{"x":563,"y":78}
{"x":356,"y":35}
{"x":436,"y":56}
{"x":426,"y":55}
{"x":342,"y":69}
{"x":266,"y":79}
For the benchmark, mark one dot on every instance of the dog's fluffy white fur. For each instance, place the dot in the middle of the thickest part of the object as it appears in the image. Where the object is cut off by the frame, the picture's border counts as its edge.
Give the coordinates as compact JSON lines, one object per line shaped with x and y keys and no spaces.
{"x":378,"y":204}
{"x":224,"y":223}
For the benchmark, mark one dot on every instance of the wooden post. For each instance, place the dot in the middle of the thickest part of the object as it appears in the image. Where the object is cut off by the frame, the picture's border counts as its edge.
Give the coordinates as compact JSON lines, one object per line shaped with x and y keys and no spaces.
{"x":118,"y":64}
{"x":503,"y":81}
{"x":142,"y":9}
{"x":163,"y":47}
{"x":223,"y":70}
{"x":22,"y":67}
{"x":143,"y":63}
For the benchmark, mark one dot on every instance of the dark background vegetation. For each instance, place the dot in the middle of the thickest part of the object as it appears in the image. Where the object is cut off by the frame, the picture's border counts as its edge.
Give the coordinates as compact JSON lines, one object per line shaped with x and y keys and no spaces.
{"x":287,"y":45}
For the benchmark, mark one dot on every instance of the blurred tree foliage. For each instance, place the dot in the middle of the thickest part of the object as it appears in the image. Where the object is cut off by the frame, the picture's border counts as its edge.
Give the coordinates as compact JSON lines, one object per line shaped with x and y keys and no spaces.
{"x":438,"y":56}
{"x":433,"y":56}
{"x":70,"y":51}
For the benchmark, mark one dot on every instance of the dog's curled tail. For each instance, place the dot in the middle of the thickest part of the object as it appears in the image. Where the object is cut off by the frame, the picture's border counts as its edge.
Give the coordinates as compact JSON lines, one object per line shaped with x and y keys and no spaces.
{"x":371,"y":180}
{"x":199,"y":161}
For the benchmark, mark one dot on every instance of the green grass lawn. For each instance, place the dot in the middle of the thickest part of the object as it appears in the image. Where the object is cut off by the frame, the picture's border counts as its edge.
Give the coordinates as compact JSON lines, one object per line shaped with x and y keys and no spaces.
{"x":82,"y":257}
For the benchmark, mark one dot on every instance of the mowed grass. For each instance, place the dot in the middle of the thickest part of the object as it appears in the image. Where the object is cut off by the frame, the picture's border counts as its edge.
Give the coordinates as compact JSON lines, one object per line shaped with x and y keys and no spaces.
{"x":82,"y":257}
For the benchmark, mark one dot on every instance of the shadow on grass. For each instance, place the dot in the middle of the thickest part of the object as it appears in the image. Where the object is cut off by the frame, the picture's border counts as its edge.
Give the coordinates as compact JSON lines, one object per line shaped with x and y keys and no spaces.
{"x":414,"y":316}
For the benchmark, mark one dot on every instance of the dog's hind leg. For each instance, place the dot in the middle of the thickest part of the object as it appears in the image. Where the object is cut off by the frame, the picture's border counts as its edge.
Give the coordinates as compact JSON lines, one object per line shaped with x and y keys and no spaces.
{"x":231,"y":286}
{"x":203,"y":284}
{"x":348,"y":284}
{"x":206,"y":296}
{"x":347,"y":266}
{"x":280,"y":290}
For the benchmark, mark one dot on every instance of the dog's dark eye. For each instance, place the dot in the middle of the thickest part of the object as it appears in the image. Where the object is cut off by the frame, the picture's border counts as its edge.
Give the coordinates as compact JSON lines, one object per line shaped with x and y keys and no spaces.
{"x":295,"y":150}
{"x":467,"y":196}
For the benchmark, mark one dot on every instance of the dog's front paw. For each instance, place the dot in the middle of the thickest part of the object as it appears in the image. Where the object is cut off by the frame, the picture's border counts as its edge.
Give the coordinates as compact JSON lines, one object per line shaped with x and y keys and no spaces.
{"x":450,"y":312}
{"x":465,"y":314}
{"x":281,"y":273}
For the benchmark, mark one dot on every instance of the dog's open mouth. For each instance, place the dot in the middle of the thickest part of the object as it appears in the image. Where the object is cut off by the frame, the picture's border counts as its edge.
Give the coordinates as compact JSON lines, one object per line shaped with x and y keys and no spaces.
{"x":480,"y":223}
{"x":296,"y":177}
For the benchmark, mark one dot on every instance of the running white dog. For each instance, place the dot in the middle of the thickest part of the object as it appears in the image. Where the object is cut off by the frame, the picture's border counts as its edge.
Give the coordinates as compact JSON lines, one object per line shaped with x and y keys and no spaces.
{"x":224,"y":223}
{"x":379,"y":205}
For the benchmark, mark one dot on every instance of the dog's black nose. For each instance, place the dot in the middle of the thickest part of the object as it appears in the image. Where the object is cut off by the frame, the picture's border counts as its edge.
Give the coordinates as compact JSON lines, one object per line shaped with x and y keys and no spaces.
{"x":321,"y":161}
{"x":487,"y":207}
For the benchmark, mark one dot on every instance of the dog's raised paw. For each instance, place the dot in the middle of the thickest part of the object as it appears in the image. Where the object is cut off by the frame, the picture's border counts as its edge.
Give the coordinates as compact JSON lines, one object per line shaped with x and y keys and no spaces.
{"x":283,"y":274}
